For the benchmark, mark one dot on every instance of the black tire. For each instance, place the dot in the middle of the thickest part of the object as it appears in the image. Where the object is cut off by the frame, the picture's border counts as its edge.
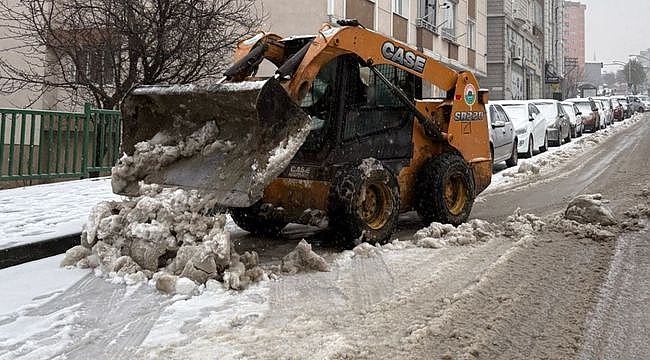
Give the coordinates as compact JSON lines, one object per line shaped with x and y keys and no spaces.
{"x":253,"y":220}
{"x":364,"y":203}
{"x":444,"y":190}
{"x":544,"y":147}
{"x":514,"y":156}
{"x":567,"y":139}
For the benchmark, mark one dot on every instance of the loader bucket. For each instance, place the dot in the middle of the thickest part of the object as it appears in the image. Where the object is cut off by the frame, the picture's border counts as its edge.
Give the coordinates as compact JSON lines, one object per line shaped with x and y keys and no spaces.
{"x":254,"y":129}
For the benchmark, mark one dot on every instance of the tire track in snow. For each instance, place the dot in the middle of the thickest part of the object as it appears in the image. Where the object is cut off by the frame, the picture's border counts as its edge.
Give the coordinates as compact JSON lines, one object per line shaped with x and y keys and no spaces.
{"x":105,"y":320}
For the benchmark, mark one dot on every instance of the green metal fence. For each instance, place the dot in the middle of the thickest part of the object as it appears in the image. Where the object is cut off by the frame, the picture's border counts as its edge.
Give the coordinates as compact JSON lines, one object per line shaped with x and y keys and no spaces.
{"x":41,"y":144}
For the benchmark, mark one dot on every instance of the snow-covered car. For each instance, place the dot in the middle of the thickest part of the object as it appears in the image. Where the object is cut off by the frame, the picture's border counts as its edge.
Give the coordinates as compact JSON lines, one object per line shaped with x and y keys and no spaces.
{"x":558,"y":127}
{"x":530,"y":126}
{"x":575,"y":118}
{"x":503,"y":141}
{"x":618,"y":112}
{"x":588,"y":112}
{"x":626,"y":107}
{"x":635,"y":104}
{"x":608,"y":109}
{"x":601,"y":113}
{"x":645,"y":100}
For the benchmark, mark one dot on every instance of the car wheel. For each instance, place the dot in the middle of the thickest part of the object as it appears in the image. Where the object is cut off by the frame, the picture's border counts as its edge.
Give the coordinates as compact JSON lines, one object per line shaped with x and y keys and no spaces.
{"x":253,"y":220}
{"x":444,"y":190}
{"x":544,"y":147}
{"x":567,"y":139}
{"x":364,"y":203}
{"x":514,"y":156}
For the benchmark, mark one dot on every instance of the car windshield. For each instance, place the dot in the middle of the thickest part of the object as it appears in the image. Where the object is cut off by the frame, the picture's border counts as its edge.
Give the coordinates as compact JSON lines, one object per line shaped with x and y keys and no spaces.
{"x":569,"y":110}
{"x":584,"y":107}
{"x":549,"y":110}
{"x":518,"y":113}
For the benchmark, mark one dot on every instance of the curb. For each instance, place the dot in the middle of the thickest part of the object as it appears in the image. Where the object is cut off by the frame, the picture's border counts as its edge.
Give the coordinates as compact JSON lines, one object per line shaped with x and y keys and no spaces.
{"x":37,"y":250}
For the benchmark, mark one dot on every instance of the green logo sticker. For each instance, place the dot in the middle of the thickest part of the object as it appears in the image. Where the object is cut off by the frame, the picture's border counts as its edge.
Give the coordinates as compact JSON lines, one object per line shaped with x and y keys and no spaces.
{"x":470,"y":94}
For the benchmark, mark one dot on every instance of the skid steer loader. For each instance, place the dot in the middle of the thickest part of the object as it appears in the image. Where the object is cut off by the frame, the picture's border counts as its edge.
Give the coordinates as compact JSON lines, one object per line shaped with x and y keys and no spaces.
{"x":340,"y":133}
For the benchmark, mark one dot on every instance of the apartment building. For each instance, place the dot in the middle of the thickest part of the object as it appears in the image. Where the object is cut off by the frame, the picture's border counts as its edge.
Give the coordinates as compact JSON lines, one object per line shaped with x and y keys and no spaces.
{"x":515,"y":49}
{"x":553,"y":48}
{"x":574,"y":46}
{"x":453,"y":32}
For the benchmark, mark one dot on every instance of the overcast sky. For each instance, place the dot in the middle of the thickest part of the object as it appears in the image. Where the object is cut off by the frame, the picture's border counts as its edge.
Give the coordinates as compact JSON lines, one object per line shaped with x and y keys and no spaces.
{"x":616,"y":28}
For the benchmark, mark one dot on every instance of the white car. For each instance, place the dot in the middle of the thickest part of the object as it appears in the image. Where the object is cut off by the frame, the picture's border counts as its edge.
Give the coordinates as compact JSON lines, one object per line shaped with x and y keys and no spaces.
{"x":645,"y":100}
{"x":503,"y":141}
{"x":530,"y":126}
{"x":575,"y":118}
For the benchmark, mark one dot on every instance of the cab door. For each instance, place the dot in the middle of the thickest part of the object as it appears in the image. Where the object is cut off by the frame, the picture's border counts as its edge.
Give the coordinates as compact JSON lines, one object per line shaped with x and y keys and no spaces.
{"x":375,"y":123}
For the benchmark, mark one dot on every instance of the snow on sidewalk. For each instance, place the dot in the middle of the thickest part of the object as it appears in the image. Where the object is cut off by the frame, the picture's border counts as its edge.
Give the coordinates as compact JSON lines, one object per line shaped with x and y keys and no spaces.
{"x":41,"y":212}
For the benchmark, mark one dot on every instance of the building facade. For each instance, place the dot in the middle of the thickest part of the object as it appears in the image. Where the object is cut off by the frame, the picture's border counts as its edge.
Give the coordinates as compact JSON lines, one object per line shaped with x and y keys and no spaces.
{"x":453,"y":32}
{"x":574,"y":46}
{"x":515,"y":49}
{"x":553,"y":48}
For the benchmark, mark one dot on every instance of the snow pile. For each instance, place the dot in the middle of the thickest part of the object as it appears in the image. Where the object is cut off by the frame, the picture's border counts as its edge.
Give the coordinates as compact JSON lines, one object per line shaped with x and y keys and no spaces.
{"x":303,"y":259}
{"x":586,"y":216}
{"x":528,"y":167}
{"x":519,"y":225}
{"x":439,"y":235}
{"x":589,"y":209}
{"x":163,"y":235}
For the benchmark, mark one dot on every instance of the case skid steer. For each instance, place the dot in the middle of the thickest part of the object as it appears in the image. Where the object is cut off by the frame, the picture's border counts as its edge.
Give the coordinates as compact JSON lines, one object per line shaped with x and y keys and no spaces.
{"x":345,"y":110}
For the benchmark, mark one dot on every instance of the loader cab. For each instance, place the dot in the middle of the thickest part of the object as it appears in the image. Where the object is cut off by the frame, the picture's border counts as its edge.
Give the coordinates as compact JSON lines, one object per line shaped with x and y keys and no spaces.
{"x":354,"y":115}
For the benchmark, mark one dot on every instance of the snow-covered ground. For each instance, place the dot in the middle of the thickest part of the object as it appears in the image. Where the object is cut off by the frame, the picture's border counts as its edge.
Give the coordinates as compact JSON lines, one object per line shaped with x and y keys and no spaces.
{"x":45,"y":211}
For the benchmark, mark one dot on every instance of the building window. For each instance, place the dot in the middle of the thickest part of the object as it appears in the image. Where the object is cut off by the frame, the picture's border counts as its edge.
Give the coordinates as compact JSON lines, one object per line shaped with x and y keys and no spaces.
{"x":427,"y":14}
{"x":448,"y":24}
{"x":94,"y":65}
{"x":471,"y":34}
{"x":401,"y":7}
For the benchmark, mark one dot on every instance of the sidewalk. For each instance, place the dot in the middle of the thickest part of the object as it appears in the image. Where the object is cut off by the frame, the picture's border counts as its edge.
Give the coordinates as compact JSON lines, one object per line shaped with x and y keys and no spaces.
{"x":40,"y":212}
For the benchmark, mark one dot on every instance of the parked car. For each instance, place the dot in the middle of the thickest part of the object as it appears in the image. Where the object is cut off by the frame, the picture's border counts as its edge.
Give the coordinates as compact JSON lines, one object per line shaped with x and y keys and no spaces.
{"x":601,"y":113}
{"x":645,"y":100}
{"x":617,"y":111}
{"x":530,"y":126}
{"x":635,"y":103}
{"x":589,"y":113}
{"x":558,"y":127}
{"x":626,"y":108}
{"x":503,"y":141}
{"x":575,"y":118}
{"x":608,"y":109}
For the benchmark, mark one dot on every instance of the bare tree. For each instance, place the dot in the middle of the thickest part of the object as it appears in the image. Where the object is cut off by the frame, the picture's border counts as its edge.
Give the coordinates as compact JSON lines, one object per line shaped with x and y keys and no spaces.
{"x":96,"y":50}
{"x":634,"y":74}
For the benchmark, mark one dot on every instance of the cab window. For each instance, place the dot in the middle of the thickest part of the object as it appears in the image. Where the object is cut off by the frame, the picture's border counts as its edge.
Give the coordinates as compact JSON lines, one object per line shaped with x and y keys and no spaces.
{"x":319,"y":104}
{"x":371,"y":106}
